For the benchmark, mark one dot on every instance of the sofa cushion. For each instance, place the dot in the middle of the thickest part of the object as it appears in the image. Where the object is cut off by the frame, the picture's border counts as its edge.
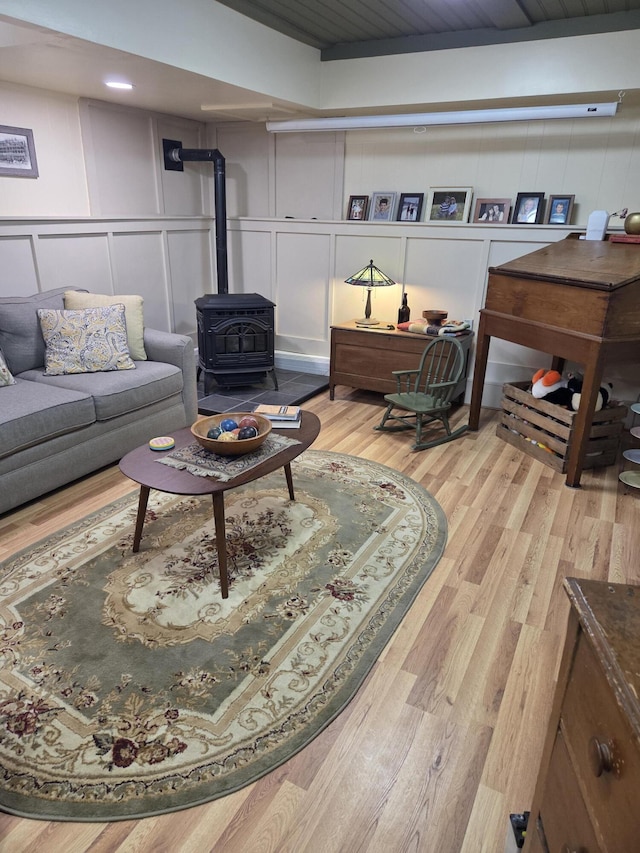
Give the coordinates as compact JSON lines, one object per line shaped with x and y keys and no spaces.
{"x":74,"y":299}
{"x":90,"y":340}
{"x":119,"y":392}
{"x":6,"y":377}
{"x":21,"y":340}
{"x":32,"y":413}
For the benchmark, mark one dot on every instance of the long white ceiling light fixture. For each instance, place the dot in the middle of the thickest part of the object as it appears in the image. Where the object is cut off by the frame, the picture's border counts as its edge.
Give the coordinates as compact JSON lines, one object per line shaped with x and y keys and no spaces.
{"x":305,"y":125}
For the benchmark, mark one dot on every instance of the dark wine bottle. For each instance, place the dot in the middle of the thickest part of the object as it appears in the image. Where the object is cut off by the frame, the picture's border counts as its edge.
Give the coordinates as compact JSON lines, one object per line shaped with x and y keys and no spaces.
{"x":404,"y":312}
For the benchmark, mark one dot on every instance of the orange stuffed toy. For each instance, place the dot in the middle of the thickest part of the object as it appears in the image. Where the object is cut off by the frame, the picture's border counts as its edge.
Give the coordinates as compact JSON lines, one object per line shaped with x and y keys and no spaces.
{"x":545,"y":384}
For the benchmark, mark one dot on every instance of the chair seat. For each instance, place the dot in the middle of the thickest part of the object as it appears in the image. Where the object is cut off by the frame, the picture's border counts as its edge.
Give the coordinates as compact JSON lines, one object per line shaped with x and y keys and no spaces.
{"x":416,"y":402}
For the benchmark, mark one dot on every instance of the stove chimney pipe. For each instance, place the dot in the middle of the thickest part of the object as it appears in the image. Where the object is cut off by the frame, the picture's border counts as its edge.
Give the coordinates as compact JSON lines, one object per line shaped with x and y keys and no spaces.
{"x":184,"y":155}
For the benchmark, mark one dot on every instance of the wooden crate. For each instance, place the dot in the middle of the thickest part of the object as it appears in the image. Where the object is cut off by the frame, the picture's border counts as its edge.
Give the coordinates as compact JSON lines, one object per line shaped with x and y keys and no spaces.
{"x":527,"y":423}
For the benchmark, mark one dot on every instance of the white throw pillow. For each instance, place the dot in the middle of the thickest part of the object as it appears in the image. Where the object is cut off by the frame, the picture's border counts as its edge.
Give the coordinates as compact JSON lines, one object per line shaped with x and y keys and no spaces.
{"x":75,"y":299}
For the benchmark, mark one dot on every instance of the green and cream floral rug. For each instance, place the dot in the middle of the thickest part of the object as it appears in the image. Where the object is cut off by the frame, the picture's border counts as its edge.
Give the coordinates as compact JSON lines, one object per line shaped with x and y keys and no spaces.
{"x":129,"y":687}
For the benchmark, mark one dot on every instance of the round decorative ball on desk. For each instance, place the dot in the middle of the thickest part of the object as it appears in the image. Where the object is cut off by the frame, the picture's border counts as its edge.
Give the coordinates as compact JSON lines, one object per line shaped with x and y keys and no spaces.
{"x":632,"y":223}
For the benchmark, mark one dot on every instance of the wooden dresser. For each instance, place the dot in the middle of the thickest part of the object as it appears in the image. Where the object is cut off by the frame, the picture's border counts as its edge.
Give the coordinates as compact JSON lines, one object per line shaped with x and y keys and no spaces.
{"x":587,"y":797}
{"x":365,"y":357}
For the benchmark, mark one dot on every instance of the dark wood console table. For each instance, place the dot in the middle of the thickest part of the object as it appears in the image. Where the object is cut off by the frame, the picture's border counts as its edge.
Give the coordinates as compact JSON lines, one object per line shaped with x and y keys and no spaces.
{"x":365,"y":357}
{"x":578,"y":300}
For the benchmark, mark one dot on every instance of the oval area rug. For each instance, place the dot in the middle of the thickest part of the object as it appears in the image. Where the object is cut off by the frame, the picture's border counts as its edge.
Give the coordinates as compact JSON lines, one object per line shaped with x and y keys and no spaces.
{"x":129,"y":687}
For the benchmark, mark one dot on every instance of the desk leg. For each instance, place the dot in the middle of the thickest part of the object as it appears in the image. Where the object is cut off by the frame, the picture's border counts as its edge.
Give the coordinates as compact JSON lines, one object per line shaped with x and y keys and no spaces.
{"x":482,"y":354}
{"x":221,"y":541}
{"x":287,"y":474}
{"x":142,"y":511}
{"x":593,"y":369}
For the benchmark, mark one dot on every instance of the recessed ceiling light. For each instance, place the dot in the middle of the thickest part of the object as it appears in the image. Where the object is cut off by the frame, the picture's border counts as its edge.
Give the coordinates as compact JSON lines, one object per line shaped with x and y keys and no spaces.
{"x":114,"y":84}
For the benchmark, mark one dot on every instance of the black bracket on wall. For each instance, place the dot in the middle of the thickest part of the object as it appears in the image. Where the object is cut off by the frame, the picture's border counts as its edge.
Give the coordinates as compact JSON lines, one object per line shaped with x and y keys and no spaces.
{"x":168,"y":146}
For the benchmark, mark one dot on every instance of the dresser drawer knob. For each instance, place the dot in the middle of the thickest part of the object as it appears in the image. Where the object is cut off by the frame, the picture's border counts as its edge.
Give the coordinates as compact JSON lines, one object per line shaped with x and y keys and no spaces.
{"x":600,"y":757}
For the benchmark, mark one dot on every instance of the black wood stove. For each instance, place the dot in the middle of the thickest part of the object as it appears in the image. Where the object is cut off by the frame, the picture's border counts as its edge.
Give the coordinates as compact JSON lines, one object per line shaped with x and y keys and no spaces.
{"x":235,"y":339}
{"x":235,"y":330}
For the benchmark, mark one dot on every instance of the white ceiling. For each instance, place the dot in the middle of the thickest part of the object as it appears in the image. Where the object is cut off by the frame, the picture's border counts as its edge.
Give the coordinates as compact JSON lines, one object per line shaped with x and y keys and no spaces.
{"x":33,"y":56}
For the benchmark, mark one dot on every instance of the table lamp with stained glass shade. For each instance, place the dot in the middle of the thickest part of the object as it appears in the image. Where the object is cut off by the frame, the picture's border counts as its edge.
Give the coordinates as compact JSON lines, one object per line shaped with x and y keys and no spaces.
{"x":369,"y":277}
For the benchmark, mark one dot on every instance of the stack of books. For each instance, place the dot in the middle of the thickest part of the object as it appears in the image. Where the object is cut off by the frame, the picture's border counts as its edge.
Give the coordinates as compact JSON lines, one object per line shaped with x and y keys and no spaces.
{"x":281,"y":417}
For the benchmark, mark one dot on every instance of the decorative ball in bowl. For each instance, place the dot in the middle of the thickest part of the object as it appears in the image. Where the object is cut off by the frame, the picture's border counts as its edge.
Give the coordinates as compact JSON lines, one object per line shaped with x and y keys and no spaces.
{"x":435,"y":317}
{"x":232,"y":433}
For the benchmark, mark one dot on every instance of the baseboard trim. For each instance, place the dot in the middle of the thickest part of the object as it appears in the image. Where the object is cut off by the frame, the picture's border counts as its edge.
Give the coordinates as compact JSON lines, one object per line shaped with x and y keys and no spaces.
{"x":318,"y":365}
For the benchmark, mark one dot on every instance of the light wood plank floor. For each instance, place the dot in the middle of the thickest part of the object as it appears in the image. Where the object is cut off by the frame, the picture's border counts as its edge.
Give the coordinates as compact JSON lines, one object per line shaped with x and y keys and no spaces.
{"x":443,"y":740}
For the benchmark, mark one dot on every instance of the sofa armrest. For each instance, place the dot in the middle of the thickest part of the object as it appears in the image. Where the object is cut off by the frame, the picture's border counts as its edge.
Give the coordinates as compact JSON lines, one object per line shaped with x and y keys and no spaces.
{"x":178,"y":350}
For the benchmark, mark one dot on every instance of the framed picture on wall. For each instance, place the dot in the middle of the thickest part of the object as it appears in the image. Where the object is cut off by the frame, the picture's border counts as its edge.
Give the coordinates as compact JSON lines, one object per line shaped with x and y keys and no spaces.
{"x":17,"y":152}
{"x":528,"y":209}
{"x":382,"y":207}
{"x":410,"y":207}
{"x":559,"y":209}
{"x":449,"y":204}
{"x":492,"y":211}
{"x":357,"y":207}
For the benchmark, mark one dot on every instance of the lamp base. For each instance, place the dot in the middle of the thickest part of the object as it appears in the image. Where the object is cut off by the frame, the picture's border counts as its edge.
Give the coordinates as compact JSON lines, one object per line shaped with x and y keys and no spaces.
{"x":367,"y":321}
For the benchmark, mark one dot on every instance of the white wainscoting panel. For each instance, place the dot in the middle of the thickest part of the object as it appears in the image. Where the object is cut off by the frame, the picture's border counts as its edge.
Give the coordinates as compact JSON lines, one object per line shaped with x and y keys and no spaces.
{"x":75,"y":260}
{"x":19,"y":274}
{"x":302,"y":292}
{"x":251,"y":262}
{"x":190,"y":274}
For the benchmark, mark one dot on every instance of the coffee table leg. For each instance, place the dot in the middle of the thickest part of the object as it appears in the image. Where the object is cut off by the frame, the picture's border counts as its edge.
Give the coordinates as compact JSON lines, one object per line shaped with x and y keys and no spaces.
{"x":287,"y":474}
{"x":221,"y":541}
{"x":142,"y":510}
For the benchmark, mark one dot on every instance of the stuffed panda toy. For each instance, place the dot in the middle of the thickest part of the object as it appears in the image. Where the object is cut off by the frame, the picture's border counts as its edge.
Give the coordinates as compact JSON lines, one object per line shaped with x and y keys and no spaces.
{"x":574,"y":386}
{"x":551,"y":386}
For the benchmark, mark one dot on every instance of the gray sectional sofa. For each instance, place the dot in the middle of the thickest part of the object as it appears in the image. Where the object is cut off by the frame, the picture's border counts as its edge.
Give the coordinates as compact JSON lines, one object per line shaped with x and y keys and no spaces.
{"x":55,"y":429}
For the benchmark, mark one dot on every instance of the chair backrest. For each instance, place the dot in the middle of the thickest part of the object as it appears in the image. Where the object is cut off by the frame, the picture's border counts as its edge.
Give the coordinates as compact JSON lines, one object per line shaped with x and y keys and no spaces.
{"x":441,"y":368}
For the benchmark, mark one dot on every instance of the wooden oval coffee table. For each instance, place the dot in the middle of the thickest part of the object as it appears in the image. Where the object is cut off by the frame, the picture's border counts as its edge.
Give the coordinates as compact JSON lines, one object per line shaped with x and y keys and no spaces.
{"x":141,"y":466}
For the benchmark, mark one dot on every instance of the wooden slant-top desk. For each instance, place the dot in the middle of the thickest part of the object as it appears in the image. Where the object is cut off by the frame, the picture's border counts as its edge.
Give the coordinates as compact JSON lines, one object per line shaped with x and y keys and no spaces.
{"x":578,"y":300}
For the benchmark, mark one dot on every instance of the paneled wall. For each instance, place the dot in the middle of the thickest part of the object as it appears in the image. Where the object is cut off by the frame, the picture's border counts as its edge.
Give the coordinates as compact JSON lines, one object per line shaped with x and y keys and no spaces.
{"x":145,"y":230}
{"x":301,"y":265}
{"x":166,"y":260}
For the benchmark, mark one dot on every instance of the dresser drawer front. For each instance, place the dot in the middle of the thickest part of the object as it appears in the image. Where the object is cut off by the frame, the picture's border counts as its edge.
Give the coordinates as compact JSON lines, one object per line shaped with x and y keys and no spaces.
{"x":564,"y":816}
{"x":590,"y":719}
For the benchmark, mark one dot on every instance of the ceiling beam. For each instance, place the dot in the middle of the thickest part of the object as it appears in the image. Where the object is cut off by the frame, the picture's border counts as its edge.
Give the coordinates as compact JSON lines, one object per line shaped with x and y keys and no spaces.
{"x":506,"y":14}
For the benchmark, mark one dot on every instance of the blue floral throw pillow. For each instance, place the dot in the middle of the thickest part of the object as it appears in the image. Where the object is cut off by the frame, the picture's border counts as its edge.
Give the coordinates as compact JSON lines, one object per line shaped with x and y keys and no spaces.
{"x":90,"y":340}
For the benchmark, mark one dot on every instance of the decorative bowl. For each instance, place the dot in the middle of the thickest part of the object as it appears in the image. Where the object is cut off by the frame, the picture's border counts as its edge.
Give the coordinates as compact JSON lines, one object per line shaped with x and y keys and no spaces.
{"x":435,"y":317}
{"x":236,"y":447}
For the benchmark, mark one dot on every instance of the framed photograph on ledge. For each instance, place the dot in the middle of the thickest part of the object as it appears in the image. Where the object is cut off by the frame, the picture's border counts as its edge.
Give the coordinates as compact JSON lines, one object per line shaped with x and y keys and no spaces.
{"x":492,"y":211}
{"x":17,"y":152}
{"x":410,"y":207}
{"x":559,"y":210}
{"x":382,"y":207}
{"x":449,"y":204}
{"x":528,"y":209}
{"x":357,"y":207}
